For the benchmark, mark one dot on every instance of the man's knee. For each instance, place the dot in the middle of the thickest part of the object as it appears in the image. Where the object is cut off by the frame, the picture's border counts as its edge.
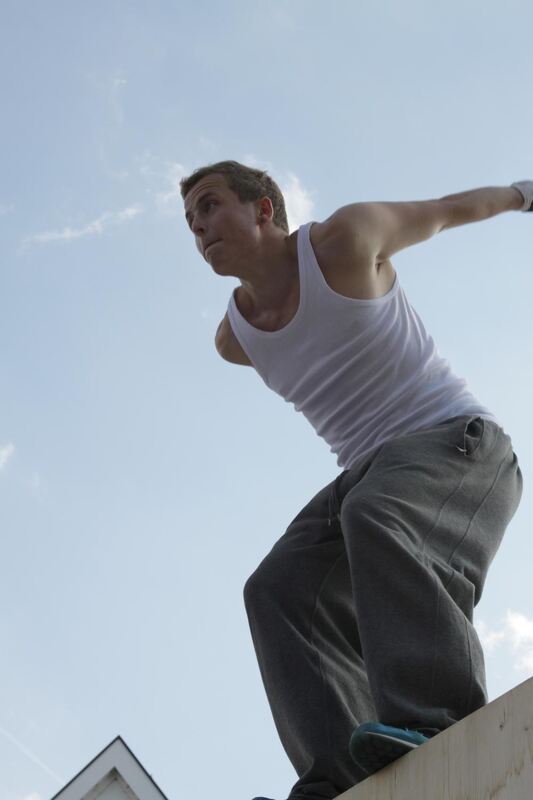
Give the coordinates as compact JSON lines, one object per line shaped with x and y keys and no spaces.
{"x":278,"y":582}
{"x":262,"y":584}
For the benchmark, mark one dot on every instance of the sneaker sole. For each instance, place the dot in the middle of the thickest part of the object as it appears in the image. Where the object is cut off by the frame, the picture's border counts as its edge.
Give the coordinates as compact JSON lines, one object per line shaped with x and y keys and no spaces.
{"x":376,"y":750}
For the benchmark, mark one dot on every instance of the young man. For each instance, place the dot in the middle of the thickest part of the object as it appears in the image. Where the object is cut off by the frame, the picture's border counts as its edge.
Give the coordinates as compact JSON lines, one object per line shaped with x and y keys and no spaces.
{"x":361,"y":614}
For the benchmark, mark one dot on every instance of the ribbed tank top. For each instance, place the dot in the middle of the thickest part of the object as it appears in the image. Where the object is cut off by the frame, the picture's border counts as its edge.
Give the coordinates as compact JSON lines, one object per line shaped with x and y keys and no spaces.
{"x":361,"y":371}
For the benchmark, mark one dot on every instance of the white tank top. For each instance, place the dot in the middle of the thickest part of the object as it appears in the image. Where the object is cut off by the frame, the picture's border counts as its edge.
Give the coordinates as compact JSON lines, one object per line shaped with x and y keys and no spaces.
{"x":361,"y":371}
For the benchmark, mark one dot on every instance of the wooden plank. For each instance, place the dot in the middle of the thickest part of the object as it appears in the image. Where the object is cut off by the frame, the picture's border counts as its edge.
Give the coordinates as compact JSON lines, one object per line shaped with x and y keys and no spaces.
{"x":486,"y":756}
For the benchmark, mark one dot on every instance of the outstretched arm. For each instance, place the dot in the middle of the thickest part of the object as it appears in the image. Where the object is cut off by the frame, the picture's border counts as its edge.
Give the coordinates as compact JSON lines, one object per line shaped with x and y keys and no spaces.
{"x":382,"y":229}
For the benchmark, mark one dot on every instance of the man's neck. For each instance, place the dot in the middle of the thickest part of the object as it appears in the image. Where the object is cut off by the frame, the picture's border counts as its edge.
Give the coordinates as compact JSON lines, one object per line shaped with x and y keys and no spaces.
{"x":271,"y":280}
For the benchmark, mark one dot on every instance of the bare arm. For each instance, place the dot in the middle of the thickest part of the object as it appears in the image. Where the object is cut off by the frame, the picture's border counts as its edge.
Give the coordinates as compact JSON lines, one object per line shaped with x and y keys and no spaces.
{"x":479,"y":204}
{"x":382,"y":229}
{"x":227,"y":345}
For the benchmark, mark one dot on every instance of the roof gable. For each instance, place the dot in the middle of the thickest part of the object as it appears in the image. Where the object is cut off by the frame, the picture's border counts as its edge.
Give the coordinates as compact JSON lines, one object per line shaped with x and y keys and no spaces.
{"x":114,"y":774}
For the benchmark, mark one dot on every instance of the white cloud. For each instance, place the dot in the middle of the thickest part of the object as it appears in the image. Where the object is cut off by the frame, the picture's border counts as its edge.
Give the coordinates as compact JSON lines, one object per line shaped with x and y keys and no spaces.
{"x":169,"y":202}
{"x":97,"y":227}
{"x":298,"y":202}
{"x":32,"y":796}
{"x":521,"y":634}
{"x":128,"y":213}
{"x":5,"y":454}
{"x":250,"y":160}
{"x":490,"y":640}
{"x":516,"y":632}
{"x":163,"y":178}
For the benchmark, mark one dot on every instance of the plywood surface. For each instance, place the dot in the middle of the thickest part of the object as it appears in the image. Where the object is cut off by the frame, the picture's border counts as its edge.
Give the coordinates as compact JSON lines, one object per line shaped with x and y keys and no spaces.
{"x":486,"y":756}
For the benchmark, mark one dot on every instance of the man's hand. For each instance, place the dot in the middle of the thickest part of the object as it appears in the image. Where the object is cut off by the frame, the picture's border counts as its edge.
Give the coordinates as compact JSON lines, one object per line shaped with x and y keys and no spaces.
{"x":382,"y":229}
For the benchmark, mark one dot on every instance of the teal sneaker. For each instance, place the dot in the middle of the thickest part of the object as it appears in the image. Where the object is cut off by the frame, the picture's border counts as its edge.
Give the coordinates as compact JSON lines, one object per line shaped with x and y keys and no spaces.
{"x":373,"y":746}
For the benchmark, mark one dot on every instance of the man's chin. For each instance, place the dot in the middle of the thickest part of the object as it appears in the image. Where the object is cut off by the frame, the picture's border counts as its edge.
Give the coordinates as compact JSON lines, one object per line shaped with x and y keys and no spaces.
{"x":220,"y":267}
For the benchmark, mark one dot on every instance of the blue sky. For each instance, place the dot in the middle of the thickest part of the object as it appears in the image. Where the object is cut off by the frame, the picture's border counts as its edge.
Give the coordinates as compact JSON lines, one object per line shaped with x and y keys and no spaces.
{"x":142,"y":478}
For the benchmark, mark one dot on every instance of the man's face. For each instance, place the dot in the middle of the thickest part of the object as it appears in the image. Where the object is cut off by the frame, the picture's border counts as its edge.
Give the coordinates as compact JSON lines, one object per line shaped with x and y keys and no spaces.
{"x":225,"y":230}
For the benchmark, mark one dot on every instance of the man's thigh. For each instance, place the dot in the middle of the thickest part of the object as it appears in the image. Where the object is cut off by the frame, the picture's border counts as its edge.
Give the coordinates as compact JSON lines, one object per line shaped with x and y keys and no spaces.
{"x":447,"y":492}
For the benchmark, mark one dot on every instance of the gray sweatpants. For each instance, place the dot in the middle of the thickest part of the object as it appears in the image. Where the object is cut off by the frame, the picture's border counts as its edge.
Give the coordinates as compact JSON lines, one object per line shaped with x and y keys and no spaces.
{"x":363,"y":609}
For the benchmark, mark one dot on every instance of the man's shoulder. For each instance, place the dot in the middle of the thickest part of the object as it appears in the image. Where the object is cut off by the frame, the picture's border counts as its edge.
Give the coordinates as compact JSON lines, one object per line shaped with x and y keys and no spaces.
{"x":347,"y":263}
{"x":339,"y":240}
{"x":341,"y":223}
{"x":345,"y":223}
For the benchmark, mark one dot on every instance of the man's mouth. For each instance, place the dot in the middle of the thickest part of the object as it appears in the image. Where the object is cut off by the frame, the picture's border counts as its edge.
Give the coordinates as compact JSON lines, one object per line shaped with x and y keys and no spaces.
{"x":211,"y":244}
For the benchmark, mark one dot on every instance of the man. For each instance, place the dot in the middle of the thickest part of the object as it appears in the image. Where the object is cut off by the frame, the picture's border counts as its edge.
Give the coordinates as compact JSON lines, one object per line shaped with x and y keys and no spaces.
{"x":361,"y":614}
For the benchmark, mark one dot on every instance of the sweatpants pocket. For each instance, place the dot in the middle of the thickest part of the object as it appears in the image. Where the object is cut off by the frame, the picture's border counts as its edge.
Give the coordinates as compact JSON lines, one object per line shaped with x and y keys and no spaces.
{"x":472,"y":435}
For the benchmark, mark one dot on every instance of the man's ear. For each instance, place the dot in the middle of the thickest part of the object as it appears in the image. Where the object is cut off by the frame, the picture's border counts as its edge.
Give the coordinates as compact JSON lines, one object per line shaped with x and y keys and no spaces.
{"x":266,"y":209}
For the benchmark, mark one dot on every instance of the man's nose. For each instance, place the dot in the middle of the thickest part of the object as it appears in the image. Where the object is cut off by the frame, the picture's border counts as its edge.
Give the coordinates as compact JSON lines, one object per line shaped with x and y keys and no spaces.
{"x":197,"y":226}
